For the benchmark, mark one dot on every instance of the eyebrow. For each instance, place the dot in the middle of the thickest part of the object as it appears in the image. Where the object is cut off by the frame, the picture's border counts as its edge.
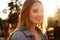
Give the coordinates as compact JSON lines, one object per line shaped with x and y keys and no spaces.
{"x":38,"y":9}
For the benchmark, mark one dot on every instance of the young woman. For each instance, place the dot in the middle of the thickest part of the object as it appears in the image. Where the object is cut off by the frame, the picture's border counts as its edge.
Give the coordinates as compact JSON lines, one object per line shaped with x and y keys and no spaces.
{"x":31,"y":15}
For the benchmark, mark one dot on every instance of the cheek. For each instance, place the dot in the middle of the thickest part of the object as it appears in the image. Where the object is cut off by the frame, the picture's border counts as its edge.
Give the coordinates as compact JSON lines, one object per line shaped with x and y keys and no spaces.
{"x":31,"y":16}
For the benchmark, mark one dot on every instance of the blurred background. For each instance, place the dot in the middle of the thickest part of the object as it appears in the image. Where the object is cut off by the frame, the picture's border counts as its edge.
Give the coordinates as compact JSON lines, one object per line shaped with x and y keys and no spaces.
{"x":10,"y":10}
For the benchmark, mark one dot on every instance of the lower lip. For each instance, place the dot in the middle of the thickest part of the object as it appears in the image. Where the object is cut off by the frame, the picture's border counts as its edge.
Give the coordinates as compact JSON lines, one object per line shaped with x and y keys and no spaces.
{"x":39,"y":20}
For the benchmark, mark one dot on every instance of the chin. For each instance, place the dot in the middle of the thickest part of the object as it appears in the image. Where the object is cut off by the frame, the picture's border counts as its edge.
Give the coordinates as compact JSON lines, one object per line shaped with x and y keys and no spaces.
{"x":37,"y":22}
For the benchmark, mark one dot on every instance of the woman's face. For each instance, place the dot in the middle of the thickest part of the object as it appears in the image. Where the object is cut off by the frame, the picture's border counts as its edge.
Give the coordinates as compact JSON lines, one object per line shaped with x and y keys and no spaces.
{"x":36,"y":13}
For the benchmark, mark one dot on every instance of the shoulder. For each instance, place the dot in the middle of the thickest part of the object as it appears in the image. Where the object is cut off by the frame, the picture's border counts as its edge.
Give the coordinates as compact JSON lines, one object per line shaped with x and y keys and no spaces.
{"x":45,"y":37}
{"x":18,"y":35}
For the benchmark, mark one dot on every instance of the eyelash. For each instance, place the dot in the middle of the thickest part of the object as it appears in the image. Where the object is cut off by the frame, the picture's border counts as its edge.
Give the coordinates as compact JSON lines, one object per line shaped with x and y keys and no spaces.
{"x":37,"y":11}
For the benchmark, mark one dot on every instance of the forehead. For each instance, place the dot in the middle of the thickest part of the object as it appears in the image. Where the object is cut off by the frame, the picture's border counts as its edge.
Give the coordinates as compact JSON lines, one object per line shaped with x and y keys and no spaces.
{"x":37,"y":5}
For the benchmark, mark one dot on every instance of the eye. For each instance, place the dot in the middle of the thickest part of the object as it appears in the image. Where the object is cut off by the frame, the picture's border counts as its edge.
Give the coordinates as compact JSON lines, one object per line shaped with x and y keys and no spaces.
{"x":35,"y":10}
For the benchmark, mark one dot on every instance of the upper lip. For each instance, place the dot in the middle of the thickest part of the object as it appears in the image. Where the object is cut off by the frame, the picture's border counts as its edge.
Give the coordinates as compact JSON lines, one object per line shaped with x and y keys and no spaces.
{"x":38,"y":19}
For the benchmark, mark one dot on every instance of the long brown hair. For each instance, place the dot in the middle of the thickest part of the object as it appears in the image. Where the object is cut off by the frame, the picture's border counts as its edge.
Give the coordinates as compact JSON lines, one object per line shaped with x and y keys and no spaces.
{"x":25,"y":22}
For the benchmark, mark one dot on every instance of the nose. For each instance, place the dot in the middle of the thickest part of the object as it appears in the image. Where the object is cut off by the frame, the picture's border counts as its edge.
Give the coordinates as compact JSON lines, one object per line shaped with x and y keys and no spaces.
{"x":40,"y":14}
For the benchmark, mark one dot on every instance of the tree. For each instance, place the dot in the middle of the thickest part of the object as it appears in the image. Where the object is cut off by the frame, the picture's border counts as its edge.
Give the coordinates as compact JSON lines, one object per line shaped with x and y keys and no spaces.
{"x":13,"y":16}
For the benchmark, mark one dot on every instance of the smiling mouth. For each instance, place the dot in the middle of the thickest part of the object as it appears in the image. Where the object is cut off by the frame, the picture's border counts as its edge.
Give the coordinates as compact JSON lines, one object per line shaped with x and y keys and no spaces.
{"x":39,"y":19}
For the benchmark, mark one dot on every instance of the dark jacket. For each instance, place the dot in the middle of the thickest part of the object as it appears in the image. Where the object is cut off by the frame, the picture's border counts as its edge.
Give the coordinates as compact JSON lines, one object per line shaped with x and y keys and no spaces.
{"x":26,"y":35}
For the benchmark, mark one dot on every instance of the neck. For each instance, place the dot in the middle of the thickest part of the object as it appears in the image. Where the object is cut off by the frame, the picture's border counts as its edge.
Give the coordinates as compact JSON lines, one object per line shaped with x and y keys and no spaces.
{"x":32,"y":27}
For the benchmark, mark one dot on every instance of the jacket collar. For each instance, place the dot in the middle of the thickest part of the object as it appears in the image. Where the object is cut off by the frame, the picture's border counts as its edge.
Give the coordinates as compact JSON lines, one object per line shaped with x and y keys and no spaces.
{"x":28,"y":33}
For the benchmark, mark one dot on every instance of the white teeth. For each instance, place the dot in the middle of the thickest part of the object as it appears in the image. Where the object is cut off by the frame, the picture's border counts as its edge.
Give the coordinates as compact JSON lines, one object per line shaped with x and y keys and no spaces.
{"x":38,"y":19}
